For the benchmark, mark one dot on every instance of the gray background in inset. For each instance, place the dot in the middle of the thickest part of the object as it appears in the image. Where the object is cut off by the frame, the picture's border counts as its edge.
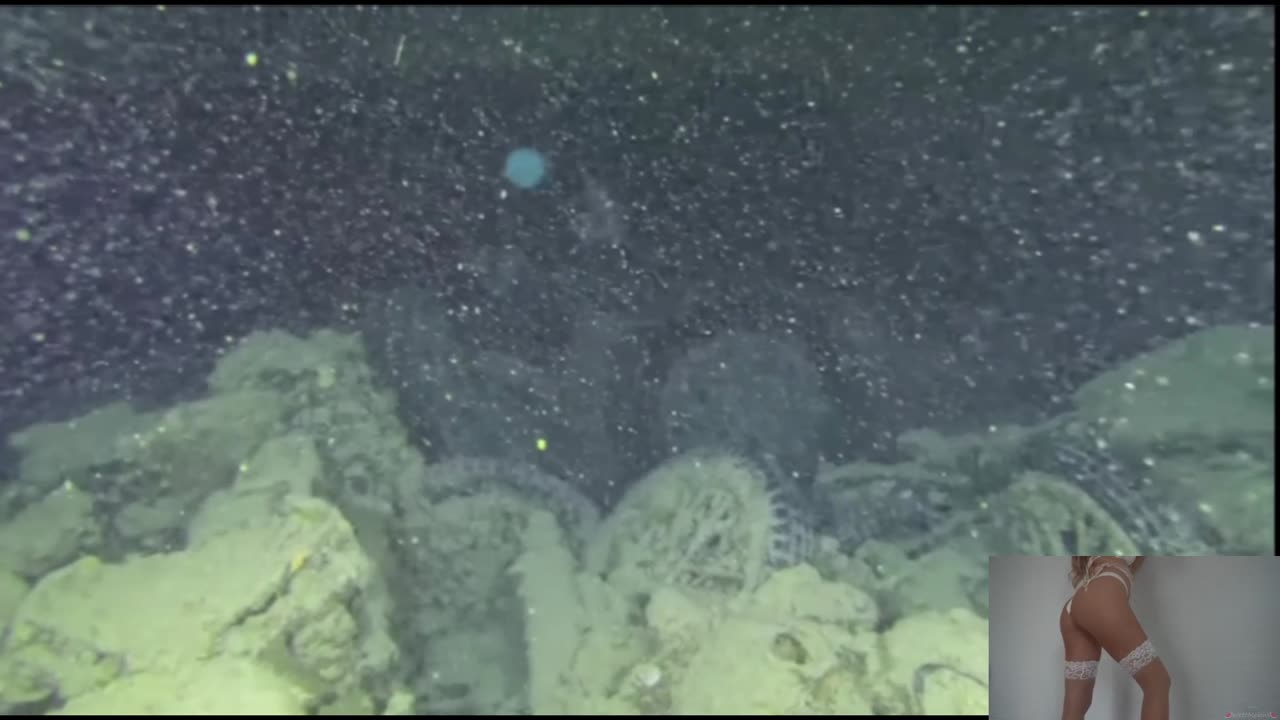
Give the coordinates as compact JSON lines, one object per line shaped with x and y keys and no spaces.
{"x":1211,"y":619}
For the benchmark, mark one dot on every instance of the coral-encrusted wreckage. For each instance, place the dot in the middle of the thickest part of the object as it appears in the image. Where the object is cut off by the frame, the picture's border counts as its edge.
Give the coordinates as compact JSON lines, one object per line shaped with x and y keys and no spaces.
{"x":280,"y":545}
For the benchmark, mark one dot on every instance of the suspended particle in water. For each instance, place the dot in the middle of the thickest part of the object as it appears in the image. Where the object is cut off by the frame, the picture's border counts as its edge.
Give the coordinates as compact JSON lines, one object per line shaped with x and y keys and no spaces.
{"x":525,"y":168}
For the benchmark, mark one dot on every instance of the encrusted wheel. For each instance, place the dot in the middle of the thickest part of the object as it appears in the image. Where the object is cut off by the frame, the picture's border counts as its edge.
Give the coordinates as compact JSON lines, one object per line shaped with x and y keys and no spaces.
{"x":1040,"y":514}
{"x":701,"y":520}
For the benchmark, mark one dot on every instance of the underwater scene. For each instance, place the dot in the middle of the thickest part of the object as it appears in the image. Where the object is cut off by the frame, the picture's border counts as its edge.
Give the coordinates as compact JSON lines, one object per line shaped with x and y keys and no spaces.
{"x":427,"y":360}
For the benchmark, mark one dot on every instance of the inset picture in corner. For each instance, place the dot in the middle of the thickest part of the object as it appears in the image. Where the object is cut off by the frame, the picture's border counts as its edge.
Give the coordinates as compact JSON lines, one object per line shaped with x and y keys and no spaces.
{"x":1118,"y":638}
